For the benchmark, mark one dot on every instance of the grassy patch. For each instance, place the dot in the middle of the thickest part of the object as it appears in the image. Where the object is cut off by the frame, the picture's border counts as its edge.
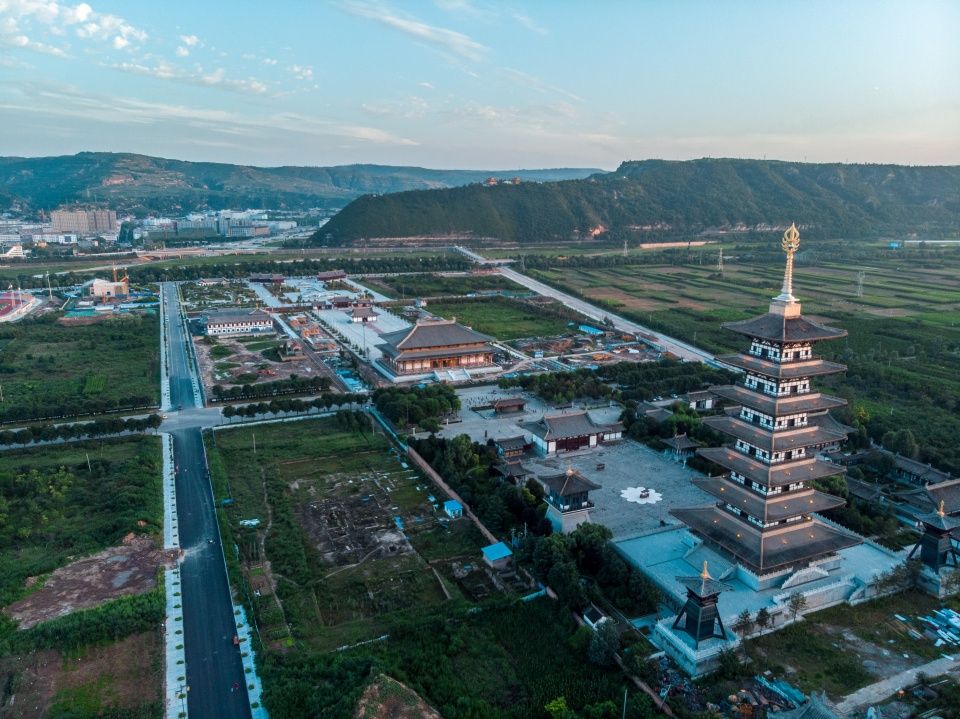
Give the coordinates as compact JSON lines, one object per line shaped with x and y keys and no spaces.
{"x":50,"y":370}
{"x":509,"y":319}
{"x":57,"y":506}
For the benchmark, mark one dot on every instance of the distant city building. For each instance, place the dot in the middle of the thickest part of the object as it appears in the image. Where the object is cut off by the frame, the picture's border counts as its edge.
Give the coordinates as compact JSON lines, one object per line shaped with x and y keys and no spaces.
{"x":83,"y":222}
{"x":106,"y":288}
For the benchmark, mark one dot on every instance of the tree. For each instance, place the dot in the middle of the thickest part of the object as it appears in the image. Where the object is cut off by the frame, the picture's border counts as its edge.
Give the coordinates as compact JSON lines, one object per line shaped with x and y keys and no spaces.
{"x":744,"y":624}
{"x":605,"y":643}
{"x":763,"y":618}
{"x":796,"y":603}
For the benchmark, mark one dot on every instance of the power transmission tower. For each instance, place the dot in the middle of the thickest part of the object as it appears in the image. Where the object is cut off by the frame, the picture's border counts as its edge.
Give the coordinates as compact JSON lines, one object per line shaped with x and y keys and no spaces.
{"x":860,"y":275}
{"x":720,"y":262}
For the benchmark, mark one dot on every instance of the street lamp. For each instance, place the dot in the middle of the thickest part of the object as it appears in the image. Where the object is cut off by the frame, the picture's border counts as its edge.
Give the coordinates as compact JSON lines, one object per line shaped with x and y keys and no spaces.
{"x":182,"y":693}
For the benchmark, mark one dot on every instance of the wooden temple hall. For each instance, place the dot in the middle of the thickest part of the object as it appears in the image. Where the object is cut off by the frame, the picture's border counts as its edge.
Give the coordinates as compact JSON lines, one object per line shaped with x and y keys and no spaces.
{"x":432,"y":345}
{"x":765,"y":513}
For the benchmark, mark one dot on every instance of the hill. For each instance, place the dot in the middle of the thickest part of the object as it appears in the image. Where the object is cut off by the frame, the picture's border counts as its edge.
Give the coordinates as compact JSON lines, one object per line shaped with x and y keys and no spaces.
{"x":654,"y":197}
{"x":143,"y":184}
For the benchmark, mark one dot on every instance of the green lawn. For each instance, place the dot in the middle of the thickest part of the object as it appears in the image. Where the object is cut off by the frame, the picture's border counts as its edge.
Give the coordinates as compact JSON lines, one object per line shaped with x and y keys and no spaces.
{"x":509,"y":319}
{"x":64,"y":501}
{"x":51,"y":370}
{"x":431,"y":285}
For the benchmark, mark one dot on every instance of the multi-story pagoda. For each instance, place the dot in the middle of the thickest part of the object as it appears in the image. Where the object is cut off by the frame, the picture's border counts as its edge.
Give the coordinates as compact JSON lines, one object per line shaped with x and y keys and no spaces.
{"x":765,"y":514}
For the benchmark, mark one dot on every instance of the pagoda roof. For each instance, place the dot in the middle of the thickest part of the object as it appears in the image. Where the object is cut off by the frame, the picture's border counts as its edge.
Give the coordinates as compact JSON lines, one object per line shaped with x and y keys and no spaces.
{"x":772,"y":508}
{"x":363,"y":311}
{"x":779,"y":328}
{"x":780,"y":474}
{"x":511,"y":443}
{"x":681,"y":442}
{"x":769,"y":550}
{"x":570,"y":482}
{"x":774,"y":441}
{"x":940,"y":520}
{"x":433,"y":334}
{"x":781,"y":370}
{"x":703,"y":585}
{"x":825,"y":420}
{"x":927,"y":499}
{"x":777,"y":406}
{"x":563,"y":426}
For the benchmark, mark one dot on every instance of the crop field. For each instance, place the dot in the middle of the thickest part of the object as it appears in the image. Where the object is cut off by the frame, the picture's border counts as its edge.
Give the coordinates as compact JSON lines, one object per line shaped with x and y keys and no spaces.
{"x":52,"y":370}
{"x":348,"y":536}
{"x":903,"y":347}
{"x":509,"y":319}
{"x":433,"y":285}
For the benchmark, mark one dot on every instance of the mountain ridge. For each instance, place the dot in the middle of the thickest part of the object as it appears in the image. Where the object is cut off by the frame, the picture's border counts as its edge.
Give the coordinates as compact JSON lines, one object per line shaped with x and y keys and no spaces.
{"x":142,"y":184}
{"x":672,"y":197}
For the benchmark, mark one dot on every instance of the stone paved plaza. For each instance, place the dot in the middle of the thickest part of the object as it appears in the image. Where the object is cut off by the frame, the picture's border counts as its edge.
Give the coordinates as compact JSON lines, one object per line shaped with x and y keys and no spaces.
{"x":627,"y":464}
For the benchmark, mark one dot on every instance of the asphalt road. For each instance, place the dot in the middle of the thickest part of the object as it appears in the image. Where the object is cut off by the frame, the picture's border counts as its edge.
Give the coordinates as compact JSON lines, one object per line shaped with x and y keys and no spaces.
{"x":213,"y":662}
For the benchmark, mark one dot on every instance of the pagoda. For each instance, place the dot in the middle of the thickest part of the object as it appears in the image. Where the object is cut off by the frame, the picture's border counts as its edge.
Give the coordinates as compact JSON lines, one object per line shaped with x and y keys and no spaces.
{"x":936,"y":543}
{"x":699,"y":617}
{"x":765,"y":514}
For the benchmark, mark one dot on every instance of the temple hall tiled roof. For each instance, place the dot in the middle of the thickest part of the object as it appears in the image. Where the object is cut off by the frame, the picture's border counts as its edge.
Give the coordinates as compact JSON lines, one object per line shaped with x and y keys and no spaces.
{"x":570,"y":482}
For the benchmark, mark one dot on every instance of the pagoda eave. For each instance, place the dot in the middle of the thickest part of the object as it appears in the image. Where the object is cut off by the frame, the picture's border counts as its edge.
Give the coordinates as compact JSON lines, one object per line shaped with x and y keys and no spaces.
{"x":770,"y":405}
{"x":774,"y":441}
{"x":784,"y":370}
{"x":779,"y":474}
{"x":763,"y":552}
{"x":783,"y":330}
{"x":772,"y":509}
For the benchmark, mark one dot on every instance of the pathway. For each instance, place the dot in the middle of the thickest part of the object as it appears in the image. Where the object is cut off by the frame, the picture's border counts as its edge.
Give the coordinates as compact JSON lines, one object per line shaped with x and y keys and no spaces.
{"x":885,"y":688}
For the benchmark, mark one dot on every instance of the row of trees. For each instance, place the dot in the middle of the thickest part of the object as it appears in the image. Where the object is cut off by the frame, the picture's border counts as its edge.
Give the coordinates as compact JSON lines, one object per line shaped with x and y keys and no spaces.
{"x":297,"y":406}
{"x":80,"y":430}
{"x":293,"y":385}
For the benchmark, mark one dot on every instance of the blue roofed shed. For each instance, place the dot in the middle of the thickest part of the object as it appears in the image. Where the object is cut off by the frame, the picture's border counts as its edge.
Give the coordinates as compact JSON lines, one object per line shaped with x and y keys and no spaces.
{"x":497,"y":555}
{"x":453,"y":508}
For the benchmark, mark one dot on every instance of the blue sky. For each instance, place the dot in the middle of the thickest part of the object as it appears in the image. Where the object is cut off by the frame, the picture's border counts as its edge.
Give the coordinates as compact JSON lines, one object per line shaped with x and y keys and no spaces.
{"x":491,"y":85}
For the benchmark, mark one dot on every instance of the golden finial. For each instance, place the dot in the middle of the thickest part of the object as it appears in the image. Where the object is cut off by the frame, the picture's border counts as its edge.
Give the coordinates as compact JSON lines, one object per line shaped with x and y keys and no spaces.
{"x":706,"y":574}
{"x":569,"y":466}
{"x":791,"y":239}
{"x":941,"y":512}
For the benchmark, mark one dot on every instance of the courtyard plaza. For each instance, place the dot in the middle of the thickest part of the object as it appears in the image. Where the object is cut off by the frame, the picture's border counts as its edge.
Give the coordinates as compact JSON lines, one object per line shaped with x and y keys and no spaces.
{"x":643,"y":530}
{"x":363,"y":333}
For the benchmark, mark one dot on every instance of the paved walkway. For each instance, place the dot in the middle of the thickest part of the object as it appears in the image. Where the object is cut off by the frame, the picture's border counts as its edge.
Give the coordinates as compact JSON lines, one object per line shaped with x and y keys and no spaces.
{"x":881,"y":690}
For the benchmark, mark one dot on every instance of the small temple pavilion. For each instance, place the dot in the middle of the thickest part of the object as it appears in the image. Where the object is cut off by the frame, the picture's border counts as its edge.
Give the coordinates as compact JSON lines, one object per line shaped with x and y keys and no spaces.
{"x":435,"y":345}
{"x":936,"y":548}
{"x":697,"y":636}
{"x":764,"y":516}
{"x":568,"y":500}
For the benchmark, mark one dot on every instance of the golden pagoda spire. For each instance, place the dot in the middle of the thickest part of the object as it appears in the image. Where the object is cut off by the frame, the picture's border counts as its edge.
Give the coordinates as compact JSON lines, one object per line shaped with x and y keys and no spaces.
{"x":569,"y":466}
{"x":706,"y":574}
{"x":790,"y":244}
{"x":940,"y":511}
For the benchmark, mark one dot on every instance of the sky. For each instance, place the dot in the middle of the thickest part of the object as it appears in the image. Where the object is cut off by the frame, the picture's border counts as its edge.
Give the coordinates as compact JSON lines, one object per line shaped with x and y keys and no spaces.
{"x":483,"y":85}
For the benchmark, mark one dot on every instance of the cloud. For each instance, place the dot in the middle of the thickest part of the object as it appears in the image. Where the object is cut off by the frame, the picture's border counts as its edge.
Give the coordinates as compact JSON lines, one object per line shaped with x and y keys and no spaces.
{"x":163,"y":70}
{"x":189,"y":40}
{"x":412,"y":108}
{"x":521,"y":78}
{"x":301,"y":73}
{"x":269,"y":61}
{"x":529,"y":23}
{"x":426,"y":85}
{"x":182,"y":51}
{"x":20,"y":17}
{"x":450,"y":40}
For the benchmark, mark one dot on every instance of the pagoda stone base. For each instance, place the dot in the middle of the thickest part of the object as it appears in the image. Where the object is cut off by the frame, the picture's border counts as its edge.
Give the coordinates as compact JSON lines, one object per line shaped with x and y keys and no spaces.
{"x":695,"y":660}
{"x":566,"y":522}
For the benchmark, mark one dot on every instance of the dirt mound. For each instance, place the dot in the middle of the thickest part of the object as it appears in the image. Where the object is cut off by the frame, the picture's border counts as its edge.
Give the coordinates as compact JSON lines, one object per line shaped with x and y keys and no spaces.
{"x":387,"y":698}
{"x":89,"y":582}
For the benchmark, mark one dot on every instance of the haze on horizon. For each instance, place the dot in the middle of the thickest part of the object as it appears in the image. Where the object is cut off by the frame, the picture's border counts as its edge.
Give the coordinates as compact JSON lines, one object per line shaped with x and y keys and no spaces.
{"x":485,"y":85}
